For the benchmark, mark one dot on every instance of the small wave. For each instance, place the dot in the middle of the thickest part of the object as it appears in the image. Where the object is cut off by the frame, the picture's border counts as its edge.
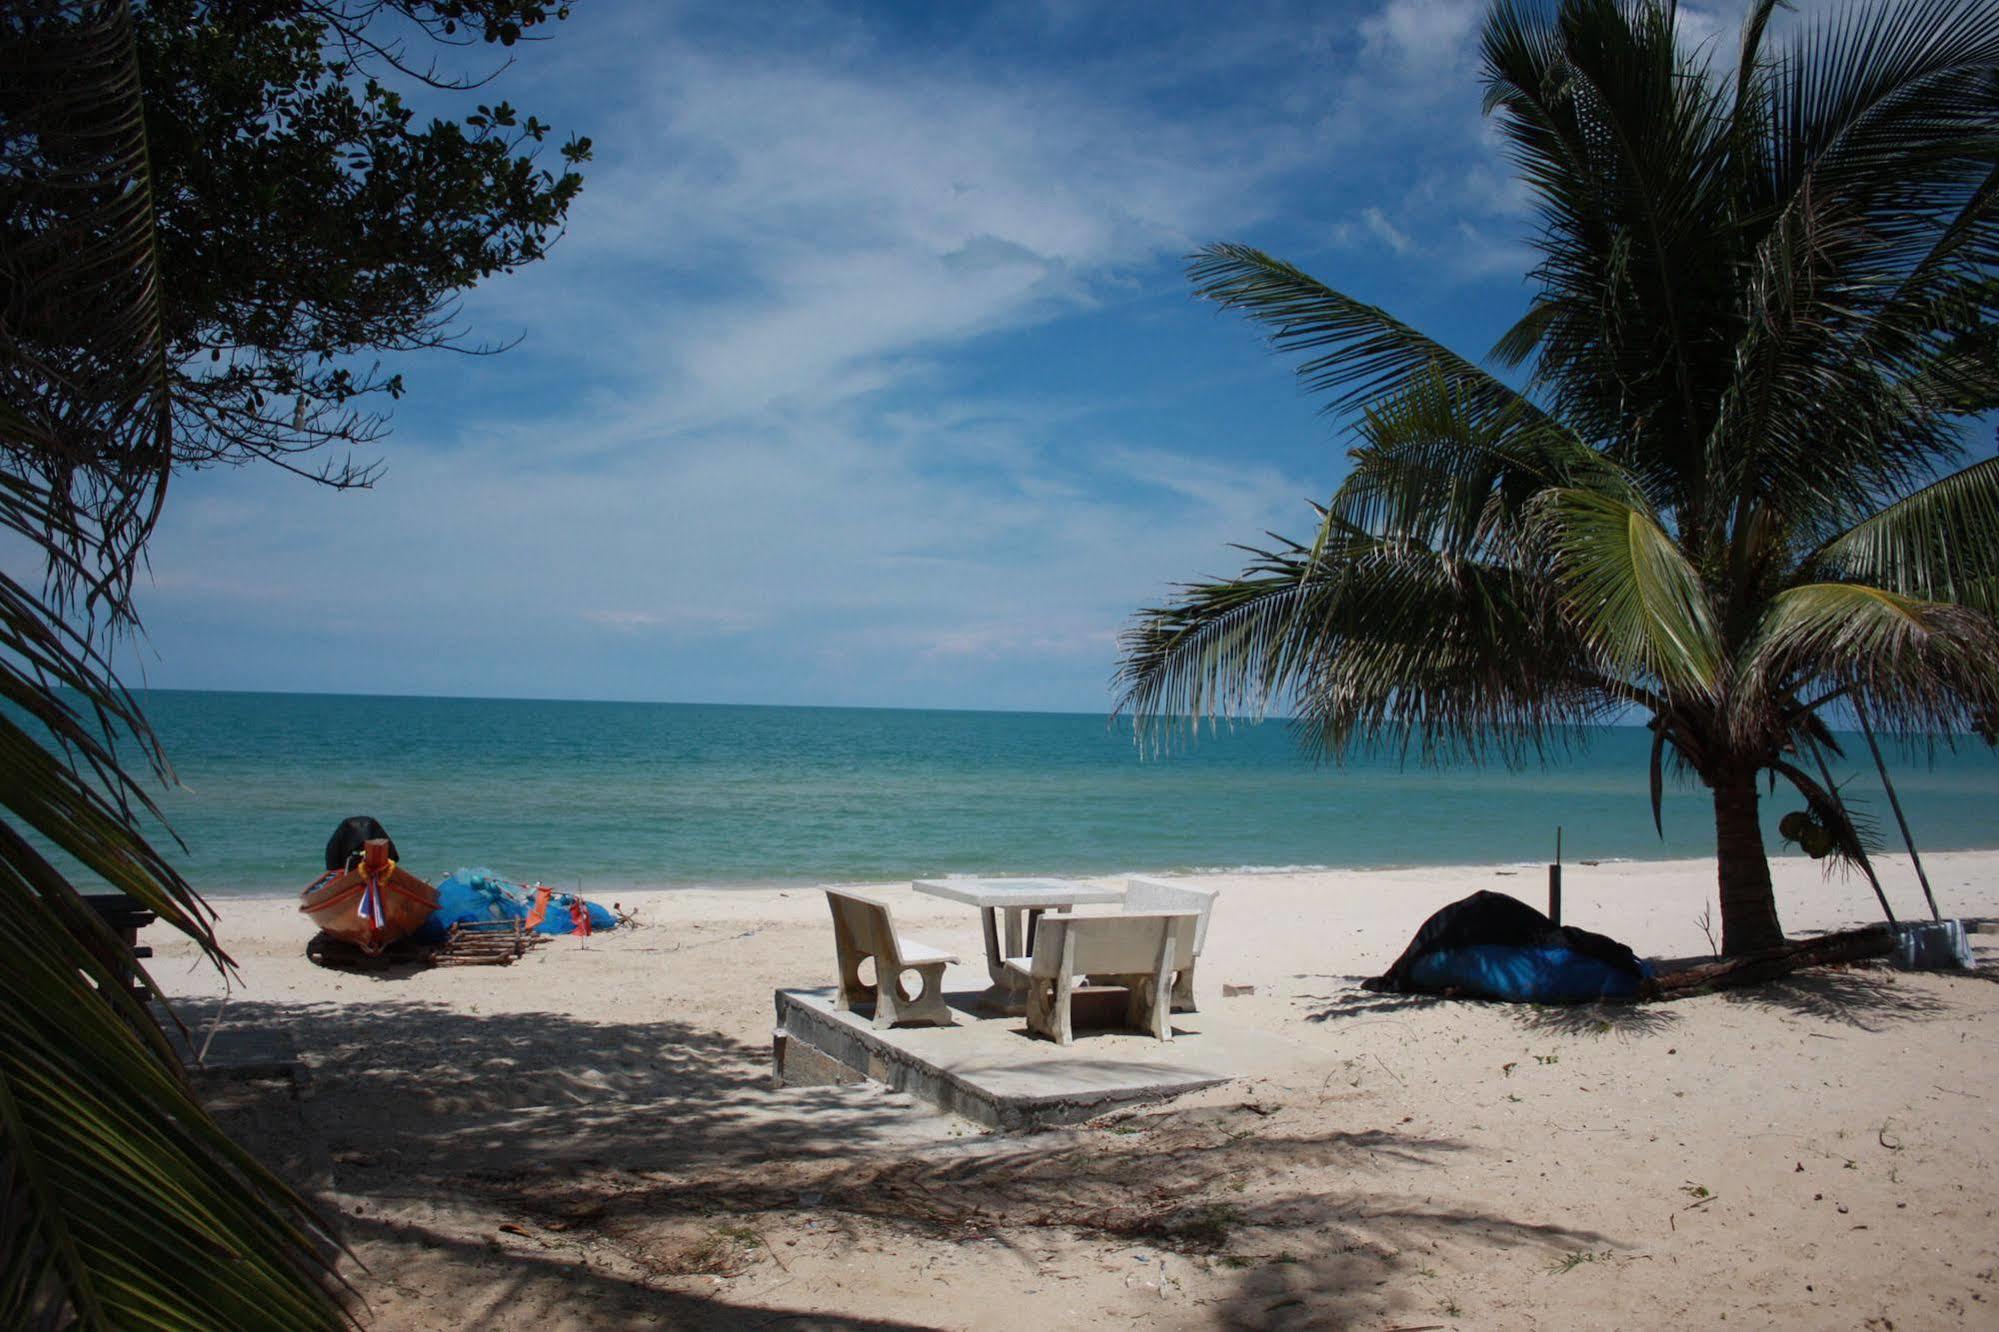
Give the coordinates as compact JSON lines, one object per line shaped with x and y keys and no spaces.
{"x":1259,"y":869}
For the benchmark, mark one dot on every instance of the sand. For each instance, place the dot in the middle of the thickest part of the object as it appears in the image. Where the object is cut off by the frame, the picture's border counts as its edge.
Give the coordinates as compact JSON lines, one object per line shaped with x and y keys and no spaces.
{"x":589,"y":1138}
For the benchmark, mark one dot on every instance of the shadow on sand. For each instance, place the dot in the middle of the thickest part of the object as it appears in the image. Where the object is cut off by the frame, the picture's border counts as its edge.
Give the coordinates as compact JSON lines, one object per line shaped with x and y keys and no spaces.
{"x":1354,"y":1002}
{"x":1600,"y":1019}
{"x":545,"y":1165}
{"x":1866,"y":999}
{"x":1604,"y":1019}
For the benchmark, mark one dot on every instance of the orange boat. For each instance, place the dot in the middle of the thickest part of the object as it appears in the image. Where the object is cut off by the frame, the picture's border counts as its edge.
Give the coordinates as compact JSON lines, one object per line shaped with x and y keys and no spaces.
{"x":372,"y":905}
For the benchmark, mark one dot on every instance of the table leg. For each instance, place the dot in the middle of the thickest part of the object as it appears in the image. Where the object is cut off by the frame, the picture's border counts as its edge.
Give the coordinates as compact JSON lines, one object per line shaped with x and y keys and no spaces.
{"x":995,"y":963}
{"x":1002,"y":996}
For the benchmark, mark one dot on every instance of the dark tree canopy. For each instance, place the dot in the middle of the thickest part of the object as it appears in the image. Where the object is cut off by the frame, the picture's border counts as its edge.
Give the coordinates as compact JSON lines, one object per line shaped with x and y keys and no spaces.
{"x":309,"y":218}
{"x":302,"y":221}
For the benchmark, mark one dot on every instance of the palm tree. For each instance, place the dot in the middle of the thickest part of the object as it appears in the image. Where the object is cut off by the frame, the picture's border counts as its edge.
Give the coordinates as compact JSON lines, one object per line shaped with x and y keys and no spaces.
{"x":122,"y":1203}
{"x":1724,"y":495}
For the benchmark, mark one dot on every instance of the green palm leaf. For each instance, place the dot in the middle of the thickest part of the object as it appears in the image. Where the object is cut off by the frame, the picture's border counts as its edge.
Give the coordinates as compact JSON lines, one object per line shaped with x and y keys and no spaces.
{"x":1939,"y":544}
{"x":1438,"y":467}
{"x":1633,"y":595}
{"x":1366,"y":352}
{"x":83,"y":353}
{"x":1224,"y":648}
{"x":1928,"y":666}
{"x":1376,"y":642}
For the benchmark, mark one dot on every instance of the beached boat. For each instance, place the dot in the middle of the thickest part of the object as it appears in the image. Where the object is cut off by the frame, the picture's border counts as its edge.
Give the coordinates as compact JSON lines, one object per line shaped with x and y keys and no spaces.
{"x":372,"y":905}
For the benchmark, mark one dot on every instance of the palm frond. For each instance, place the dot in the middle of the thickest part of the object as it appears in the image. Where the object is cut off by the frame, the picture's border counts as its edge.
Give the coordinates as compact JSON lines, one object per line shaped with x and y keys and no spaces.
{"x":127,"y":1205}
{"x":1630,"y":591}
{"x":1224,"y":648}
{"x":1871,"y":281}
{"x":1919,"y":667}
{"x":1436,"y":468}
{"x":1939,"y":544}
{"x":1624,"y":145}
{"x":1367,"y":352}
{"x":1380,"y":644}
{"x":1880,"y":91}
{"x":1523,"y":339}
{"x":1749,"y":55}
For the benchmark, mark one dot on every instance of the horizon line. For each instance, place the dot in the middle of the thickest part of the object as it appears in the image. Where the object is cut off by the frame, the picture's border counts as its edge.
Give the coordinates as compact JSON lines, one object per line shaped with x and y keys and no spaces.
{"x":1239,"y":720}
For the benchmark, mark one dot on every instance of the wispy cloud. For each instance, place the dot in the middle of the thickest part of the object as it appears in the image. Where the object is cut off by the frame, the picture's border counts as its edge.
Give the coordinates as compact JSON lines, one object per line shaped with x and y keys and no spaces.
{"x":1386,"y":232}
{"x":684,"y":619}
{"x":1479,"y":253}
{"x":1420,"y":43}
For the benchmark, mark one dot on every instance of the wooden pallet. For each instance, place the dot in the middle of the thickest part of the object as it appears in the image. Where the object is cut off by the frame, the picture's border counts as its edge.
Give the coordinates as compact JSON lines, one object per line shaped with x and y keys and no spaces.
{"x":486,"y":943}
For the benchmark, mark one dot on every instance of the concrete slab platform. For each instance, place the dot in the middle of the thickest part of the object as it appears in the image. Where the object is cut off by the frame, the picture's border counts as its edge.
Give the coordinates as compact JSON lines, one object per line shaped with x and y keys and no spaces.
{"x":989,"y":1069}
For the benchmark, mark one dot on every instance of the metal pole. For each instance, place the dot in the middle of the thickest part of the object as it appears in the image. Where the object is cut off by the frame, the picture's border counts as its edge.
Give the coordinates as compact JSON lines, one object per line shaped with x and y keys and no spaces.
{"x":1555,"y":881}
{"x":1895,"y":804}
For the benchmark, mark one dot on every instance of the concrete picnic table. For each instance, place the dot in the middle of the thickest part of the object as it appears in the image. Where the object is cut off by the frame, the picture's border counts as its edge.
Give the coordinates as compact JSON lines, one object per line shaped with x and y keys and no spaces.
{"x":1017,"y":898}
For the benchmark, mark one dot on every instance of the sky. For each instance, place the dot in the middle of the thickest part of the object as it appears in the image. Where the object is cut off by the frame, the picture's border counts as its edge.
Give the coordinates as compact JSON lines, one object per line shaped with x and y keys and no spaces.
{"x":867,"y":372}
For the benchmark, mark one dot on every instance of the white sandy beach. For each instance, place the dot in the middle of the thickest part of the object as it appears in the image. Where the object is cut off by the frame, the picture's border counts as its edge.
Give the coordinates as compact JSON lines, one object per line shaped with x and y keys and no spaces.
{"x":589,"y":1138}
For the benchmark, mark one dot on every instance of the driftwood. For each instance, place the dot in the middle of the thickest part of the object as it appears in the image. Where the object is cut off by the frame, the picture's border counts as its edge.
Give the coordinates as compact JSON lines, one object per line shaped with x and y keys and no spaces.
{"x":1769,"y":964}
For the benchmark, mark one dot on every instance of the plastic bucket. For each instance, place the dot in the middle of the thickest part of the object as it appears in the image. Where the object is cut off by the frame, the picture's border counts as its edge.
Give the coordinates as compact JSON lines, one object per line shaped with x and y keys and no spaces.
{"x":1931,"y":945}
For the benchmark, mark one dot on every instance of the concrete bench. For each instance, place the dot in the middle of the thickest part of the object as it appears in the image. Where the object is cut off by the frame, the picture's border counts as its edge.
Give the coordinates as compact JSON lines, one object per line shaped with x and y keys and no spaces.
{"x":862,"y":929}
{"x":1136,"y":953}
{"x":1153,"y":895}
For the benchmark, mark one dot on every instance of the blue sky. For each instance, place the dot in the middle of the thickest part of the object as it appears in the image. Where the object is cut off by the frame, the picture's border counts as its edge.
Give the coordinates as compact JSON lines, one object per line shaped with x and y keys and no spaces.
{"x":867,"y":372}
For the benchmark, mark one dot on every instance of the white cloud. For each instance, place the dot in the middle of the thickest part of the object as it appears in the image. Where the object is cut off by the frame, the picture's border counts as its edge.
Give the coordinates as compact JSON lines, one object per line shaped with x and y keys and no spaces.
{"x":859,"y":212}
{"x":1421,"y":41}
{"x":1371,"y":225}
{"x":838,"y":561}
{"x":1386,"y":232}
{"x":1479,"y":253}
{"x":679,"y":618}
{"x":1702,"y":29}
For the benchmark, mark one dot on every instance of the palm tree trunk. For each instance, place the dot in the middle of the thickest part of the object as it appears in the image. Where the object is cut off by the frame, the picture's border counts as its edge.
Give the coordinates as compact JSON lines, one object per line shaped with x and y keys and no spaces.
{"x":1748,"y":903}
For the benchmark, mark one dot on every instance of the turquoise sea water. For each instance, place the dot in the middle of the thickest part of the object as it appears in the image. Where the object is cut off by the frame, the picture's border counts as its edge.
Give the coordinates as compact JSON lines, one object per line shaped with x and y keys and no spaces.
{"x":608,"y":795}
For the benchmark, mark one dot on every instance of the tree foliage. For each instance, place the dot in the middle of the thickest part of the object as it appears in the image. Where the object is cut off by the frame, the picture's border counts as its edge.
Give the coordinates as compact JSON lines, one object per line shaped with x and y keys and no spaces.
{"x":1731,"y":489}
{"x":310,"y":219}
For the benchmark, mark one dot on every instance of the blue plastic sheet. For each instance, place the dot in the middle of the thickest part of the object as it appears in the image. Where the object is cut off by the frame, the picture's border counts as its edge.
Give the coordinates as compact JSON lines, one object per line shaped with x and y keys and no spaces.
{"x":1523,"y":974}
{"x":482,"y":895}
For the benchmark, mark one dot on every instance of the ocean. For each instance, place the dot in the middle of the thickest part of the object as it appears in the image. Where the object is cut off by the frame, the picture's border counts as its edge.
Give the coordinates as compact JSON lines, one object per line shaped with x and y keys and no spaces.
{"x":604,"y":796}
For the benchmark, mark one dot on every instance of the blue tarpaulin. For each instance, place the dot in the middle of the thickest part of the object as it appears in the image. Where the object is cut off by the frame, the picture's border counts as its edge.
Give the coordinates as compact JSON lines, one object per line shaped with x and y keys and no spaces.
{"x":1541,"y":975}
{"x":482,"y":895}
{"x":1491,"y":946}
